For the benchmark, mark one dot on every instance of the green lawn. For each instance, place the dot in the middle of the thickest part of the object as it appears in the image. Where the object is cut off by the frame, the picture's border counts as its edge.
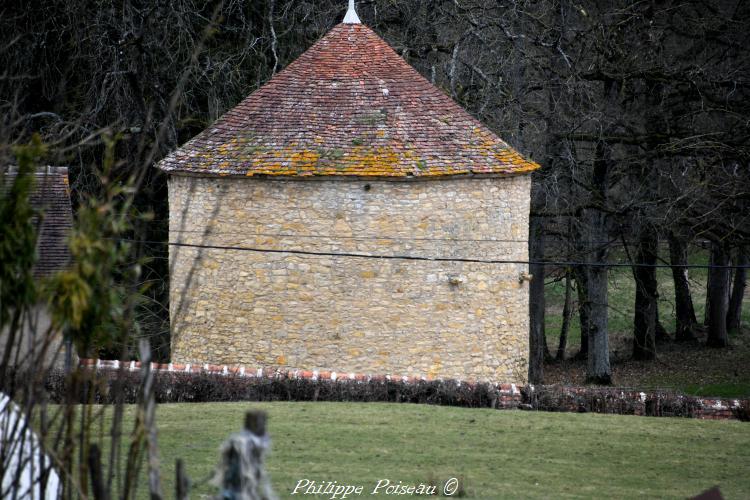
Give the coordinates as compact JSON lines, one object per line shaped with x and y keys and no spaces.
{"x":497,"y":454}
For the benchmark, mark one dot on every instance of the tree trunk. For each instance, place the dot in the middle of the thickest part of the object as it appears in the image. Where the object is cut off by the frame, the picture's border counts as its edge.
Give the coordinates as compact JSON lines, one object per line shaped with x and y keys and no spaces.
{"x":644,"y":321}
{"x":718,"y":293}
{"x":582,"y":287}
{"x":707,"y":308}
{"x":547,"y":354}
{"x":685,"y":321}
{"x":537,"y":341}
{"x":661,"y":332}
{"x":584,"y":310}
{"x":734,"y":315}
{"x":567,"y":310}
{"x":598,"y":370}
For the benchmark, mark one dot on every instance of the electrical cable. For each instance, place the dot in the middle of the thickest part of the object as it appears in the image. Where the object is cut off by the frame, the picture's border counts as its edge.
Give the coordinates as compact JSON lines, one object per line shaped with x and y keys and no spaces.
{"x":427,"y":258}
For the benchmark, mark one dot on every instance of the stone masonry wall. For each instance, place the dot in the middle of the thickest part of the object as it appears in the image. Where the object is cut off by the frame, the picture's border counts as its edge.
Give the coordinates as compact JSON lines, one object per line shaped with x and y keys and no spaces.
{"x":462,"y":320}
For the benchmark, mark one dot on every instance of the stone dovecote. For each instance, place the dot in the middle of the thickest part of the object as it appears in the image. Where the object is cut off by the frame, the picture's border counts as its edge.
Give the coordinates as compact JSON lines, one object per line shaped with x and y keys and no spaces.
{"x":349,"y":153}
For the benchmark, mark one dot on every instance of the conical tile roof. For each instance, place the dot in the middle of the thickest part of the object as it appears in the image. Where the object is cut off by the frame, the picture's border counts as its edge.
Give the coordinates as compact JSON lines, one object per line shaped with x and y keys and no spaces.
{"x":348,"y":106}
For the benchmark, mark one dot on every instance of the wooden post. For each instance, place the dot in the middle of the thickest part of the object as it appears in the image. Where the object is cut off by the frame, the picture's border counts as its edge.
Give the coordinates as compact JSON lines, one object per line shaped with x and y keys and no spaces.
{"x":241,"y":474}
{"x":149,"y":421}
{"x":95,"y":470}
{"x":255,"y":422}
{"x":182,"y":481}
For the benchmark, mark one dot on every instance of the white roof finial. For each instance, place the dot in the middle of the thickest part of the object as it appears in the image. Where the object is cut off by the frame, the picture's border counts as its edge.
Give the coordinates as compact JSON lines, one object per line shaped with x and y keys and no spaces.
{"x":351,"y":16}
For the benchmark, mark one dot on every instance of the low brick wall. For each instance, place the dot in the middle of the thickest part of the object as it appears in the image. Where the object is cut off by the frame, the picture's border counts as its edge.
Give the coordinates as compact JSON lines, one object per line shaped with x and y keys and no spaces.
{"x":278,"y":384}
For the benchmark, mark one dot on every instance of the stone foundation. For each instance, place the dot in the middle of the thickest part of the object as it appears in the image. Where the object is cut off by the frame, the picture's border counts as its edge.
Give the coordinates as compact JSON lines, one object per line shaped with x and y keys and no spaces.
{"x":462,"y":320}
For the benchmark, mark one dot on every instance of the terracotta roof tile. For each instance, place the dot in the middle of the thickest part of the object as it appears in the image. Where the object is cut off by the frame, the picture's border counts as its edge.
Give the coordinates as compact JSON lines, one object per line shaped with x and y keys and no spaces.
{"x":349,"y":106}
{"x":51,"y":196}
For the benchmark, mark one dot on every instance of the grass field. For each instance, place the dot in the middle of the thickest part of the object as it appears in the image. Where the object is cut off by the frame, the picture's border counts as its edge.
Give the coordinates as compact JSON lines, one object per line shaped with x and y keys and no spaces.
{"x":690,"y":368}
{"x":496,"y":454}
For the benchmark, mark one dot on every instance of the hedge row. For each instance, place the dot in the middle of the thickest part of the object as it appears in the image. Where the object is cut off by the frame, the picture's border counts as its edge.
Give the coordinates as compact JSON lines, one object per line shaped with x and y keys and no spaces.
{"x":613,"y":401}
{"x":173,"y":387}
{"x":106,"y":386}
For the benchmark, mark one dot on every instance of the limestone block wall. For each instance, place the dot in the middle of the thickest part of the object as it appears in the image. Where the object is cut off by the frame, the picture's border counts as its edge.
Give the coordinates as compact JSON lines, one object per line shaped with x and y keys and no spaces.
{"x":463,"y":320}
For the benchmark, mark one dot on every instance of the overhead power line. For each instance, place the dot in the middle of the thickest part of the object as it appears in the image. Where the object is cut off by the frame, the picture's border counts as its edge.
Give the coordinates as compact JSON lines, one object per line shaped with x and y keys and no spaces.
{"x":610,"y":242}
{"x":426,"y":258}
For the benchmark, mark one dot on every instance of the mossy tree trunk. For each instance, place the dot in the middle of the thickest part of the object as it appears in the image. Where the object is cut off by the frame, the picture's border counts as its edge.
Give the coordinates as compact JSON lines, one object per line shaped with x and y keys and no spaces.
{"x":598,"y":369}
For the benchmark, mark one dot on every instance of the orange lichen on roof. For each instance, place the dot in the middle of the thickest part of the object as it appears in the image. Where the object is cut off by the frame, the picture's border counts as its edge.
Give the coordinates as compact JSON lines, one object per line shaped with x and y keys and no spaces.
{"x":349,"y":106}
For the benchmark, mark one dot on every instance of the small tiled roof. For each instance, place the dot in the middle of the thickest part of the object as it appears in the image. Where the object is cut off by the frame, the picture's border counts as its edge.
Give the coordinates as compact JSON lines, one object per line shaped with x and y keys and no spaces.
{"x":349,"y":106}
{"x":51,"y":196}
